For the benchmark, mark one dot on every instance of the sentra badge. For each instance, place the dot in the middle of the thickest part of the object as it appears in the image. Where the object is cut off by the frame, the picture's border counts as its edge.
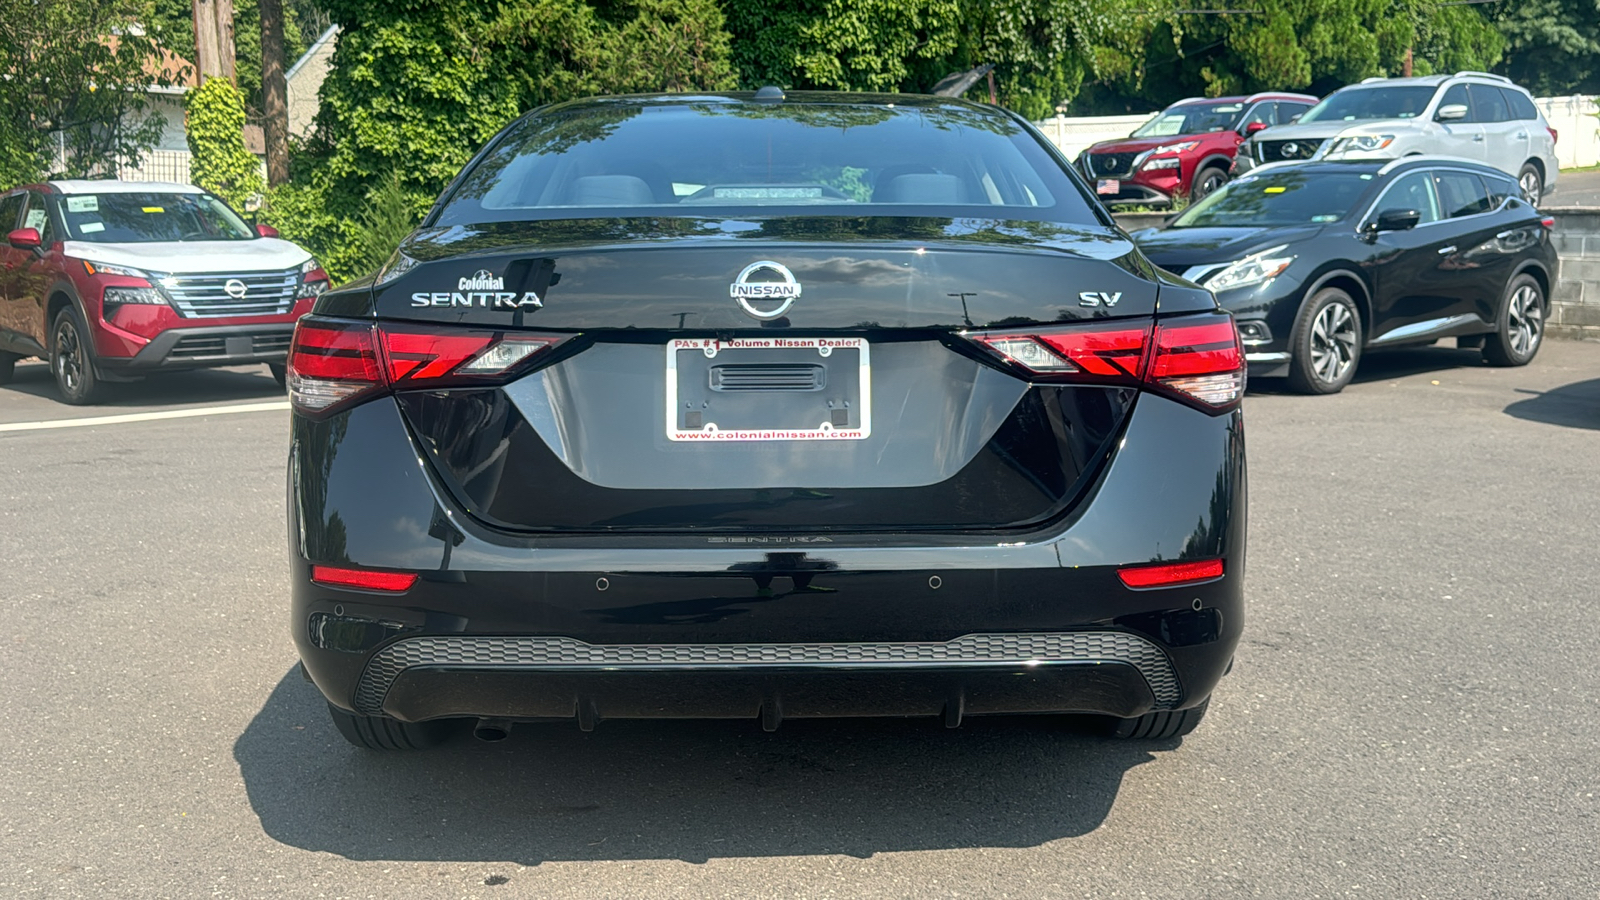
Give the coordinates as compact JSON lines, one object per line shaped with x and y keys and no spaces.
{"x":764,"y":282}
{"x":481,"y":289}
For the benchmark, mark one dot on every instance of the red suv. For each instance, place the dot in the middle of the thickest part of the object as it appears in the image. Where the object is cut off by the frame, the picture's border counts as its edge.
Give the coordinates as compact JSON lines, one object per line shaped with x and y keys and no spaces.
{"x":112,"y":280}
{"x":1185,"y":151}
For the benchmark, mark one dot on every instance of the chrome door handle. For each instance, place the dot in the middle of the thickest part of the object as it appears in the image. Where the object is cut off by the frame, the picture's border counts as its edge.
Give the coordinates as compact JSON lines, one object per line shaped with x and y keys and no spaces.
{"x":1478,"y":138}
{"x":1522,"y":135}
{"x":1449,"y":249}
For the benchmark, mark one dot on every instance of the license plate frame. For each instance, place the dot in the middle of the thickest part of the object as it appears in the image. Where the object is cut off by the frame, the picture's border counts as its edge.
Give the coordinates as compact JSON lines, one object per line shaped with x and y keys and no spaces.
{"x":852,"y":407}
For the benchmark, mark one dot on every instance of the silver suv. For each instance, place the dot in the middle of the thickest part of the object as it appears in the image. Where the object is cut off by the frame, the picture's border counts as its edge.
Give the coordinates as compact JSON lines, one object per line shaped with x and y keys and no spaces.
{"x":1470,"y":115}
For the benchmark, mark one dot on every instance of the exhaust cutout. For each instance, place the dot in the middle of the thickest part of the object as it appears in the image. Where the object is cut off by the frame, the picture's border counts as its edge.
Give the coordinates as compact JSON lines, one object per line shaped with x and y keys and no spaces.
{"x":491,"y":730}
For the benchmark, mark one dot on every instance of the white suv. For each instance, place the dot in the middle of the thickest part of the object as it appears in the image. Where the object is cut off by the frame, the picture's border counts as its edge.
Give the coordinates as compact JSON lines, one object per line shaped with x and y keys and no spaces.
{"x":1471,"y":115}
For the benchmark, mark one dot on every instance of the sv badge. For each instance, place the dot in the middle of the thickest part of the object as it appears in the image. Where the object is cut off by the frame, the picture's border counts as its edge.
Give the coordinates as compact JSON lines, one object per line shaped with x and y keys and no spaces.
{"x":1099,"y":298}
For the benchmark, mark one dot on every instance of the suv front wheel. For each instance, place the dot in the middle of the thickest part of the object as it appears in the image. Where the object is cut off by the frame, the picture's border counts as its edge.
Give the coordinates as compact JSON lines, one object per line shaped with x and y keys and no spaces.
{"x":1209,"y":180}
{"x":72,"y":358}
{"x":1326,"y":343}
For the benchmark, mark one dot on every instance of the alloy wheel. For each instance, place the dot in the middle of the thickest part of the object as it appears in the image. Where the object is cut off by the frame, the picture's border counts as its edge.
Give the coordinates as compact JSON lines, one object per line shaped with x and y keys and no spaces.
{"x":1525,"y":321}
{"x":69,"y":357}
{"x":1333,"y":342}
{"x":1531,"y":187}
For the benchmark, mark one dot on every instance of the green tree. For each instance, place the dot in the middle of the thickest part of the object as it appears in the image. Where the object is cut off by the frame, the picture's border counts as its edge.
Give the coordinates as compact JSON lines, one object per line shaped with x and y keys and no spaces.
{"x":75,"y":72}
{"x":1552,"y":46}
{"x":220,"y":163}
{"x":172,"y":23}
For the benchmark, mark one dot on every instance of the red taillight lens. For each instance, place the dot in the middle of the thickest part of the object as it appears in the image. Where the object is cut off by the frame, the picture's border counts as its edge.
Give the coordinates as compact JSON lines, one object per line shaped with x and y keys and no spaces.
{"x":364,"y":579}
{"x":332,"y":363}
{"x":1548,"y":221}
{"x":1170,"y":574}
{"x":1554,"y":135}
{"x":1197,"y":359}
{"x":1200,"y":357}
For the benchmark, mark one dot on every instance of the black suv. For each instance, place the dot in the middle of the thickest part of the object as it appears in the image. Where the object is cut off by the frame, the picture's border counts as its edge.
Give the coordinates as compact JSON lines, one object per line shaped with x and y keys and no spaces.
{"x":1322,"y":261}
{"x":761,"y":406}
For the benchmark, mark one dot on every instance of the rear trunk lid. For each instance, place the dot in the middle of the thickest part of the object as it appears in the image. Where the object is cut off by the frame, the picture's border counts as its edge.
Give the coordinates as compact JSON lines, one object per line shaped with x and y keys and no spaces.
{"x":797,"y":376}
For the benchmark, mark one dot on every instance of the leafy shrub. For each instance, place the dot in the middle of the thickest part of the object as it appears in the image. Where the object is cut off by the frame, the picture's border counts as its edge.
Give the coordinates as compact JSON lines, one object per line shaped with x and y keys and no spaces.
{"x":220,"y":162}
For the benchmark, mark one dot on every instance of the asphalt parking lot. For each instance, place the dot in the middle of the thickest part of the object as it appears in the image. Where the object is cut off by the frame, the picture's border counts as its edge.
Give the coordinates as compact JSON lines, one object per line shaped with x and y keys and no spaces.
{"x":1414,"y":710}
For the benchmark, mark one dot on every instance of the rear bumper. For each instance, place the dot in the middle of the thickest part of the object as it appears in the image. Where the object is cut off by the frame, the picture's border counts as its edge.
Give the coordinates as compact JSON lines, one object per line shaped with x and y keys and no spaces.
{"x":625,"y":626}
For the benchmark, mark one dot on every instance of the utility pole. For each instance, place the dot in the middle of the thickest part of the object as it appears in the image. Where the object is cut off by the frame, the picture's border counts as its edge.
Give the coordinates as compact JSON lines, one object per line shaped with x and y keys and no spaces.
{"x":213,"y":38}
{"x":274,"y":92}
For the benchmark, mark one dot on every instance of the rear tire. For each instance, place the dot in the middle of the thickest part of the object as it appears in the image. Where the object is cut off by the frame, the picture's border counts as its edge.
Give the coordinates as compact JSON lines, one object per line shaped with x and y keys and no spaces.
{"x":1531,"y":183}
{"x":1519,"y":327}
{"x":1325,"y":344}
{"x":8,"y":366}
{"x":72,"y":358}
{"x":1158,"y":726}
{"x":280,"y":374}
{"x":383,"y":733}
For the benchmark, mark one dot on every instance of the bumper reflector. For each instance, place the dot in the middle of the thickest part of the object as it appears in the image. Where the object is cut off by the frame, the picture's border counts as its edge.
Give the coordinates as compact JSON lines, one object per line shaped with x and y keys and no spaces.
{"x":1170,"y":574}
{"x":364,"y":579}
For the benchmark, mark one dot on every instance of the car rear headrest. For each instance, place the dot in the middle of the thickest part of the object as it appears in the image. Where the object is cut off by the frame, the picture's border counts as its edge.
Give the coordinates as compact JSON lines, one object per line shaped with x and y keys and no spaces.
{"x":610,"y":190}
{"x":921,"y":188}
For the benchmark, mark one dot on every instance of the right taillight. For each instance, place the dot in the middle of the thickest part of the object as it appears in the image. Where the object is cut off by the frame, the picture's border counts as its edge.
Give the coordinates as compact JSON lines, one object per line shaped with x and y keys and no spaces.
{"x":1196,"y":359}
{"x":332,"y":363}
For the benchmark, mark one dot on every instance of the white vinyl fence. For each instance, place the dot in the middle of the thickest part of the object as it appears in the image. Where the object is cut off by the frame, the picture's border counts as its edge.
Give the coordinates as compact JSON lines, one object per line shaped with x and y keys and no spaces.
{"x":1574,"y":119}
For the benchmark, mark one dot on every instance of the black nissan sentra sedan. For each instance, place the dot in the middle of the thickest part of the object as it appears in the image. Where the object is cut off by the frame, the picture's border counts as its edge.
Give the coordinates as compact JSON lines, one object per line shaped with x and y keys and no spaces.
{"x":1321,"y":261}
{"x":760,"y":406}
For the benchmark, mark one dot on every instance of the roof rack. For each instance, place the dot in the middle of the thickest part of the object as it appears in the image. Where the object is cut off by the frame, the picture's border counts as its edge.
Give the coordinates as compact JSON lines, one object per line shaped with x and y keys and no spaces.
{"x":1484,"y":75}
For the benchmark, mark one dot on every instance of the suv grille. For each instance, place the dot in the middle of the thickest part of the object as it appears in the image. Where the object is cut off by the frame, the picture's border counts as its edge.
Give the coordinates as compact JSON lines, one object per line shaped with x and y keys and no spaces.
{"x":207,"y":296}
{"x":1111,"y":165}
{"x":1277,"y":151}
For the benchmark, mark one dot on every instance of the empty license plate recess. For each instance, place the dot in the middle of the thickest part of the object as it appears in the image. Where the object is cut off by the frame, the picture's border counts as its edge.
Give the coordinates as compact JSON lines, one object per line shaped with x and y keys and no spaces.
{"x":768,"y":389}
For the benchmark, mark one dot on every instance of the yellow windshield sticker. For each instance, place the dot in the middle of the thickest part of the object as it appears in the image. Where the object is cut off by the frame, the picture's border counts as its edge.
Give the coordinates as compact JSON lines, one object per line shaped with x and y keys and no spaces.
{"x":157,"y":209}
{"x":1272,"y":190}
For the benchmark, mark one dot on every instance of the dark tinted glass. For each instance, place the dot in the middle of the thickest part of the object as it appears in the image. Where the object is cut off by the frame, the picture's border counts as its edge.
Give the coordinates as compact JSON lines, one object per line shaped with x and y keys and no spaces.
{"x":1456,"y":95}
{"x":10,"y":210}
{"x":150,"y":217}
{"x":1287,"y":111}
{"x":1461,"y":194}
{"x":735,"y":158}
{"x":1414,"y":191}
{"x":1265,"y":113}
{"x":1488,"y":104}
{"x":1501,"y":188}
{"x":1521,"y":104}
{"x":1357,"y":103}
{"x":1278,"y":198}
{"x":1192,"y":118}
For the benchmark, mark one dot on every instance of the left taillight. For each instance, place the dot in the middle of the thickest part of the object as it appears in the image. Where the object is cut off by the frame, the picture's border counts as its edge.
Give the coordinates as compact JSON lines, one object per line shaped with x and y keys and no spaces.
{"x":333,"y":364}
{"x":1197,"y":359}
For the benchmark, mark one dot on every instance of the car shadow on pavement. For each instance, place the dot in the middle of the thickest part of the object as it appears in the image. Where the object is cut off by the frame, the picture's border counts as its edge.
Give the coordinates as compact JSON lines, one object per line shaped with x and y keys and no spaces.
{"x":1575,"y":405}
{"x":686,"y":790}
{"x":194,"y":386}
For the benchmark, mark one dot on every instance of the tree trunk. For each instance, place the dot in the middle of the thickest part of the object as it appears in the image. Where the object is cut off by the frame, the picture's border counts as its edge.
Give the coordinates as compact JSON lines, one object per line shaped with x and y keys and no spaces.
{"x":213,"y":38}
{"x":274,"y":92}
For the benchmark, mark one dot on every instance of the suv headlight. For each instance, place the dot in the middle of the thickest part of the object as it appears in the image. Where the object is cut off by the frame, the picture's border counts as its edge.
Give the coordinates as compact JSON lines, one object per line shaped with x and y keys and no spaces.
{"x":1171,"y":162}
{"x":1362,"y":143}
{"x":313,"y":280}
{"x":97,"y":268}
{"x":1253,"y":269}
{"x":1180,"y":147}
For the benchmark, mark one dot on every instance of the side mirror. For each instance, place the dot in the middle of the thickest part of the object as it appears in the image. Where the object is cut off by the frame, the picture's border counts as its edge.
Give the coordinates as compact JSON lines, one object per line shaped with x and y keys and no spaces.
{"x":24,"y":239}
{"x":1452,"y":112}
{"x":1254,"y":127}
{"x":266,"y":231}
{"x":1397,"y":220}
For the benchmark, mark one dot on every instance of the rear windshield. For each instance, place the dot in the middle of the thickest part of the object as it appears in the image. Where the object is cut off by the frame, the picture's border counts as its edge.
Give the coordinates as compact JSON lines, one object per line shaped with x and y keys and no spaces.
{"x":735,"y":158}
{"x":1278,"y":198}
{"x":1192,"y":118}
{"x":1359,"y":104}
{"x":139,"y":218}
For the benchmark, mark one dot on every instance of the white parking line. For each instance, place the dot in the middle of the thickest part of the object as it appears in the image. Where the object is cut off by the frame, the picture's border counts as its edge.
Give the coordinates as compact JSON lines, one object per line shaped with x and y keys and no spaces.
{"x":147,"y":416}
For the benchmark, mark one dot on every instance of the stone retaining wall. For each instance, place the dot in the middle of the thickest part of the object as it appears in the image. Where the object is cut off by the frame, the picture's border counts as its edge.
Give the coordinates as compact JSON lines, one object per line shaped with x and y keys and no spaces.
{"x":1575,"y":303}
